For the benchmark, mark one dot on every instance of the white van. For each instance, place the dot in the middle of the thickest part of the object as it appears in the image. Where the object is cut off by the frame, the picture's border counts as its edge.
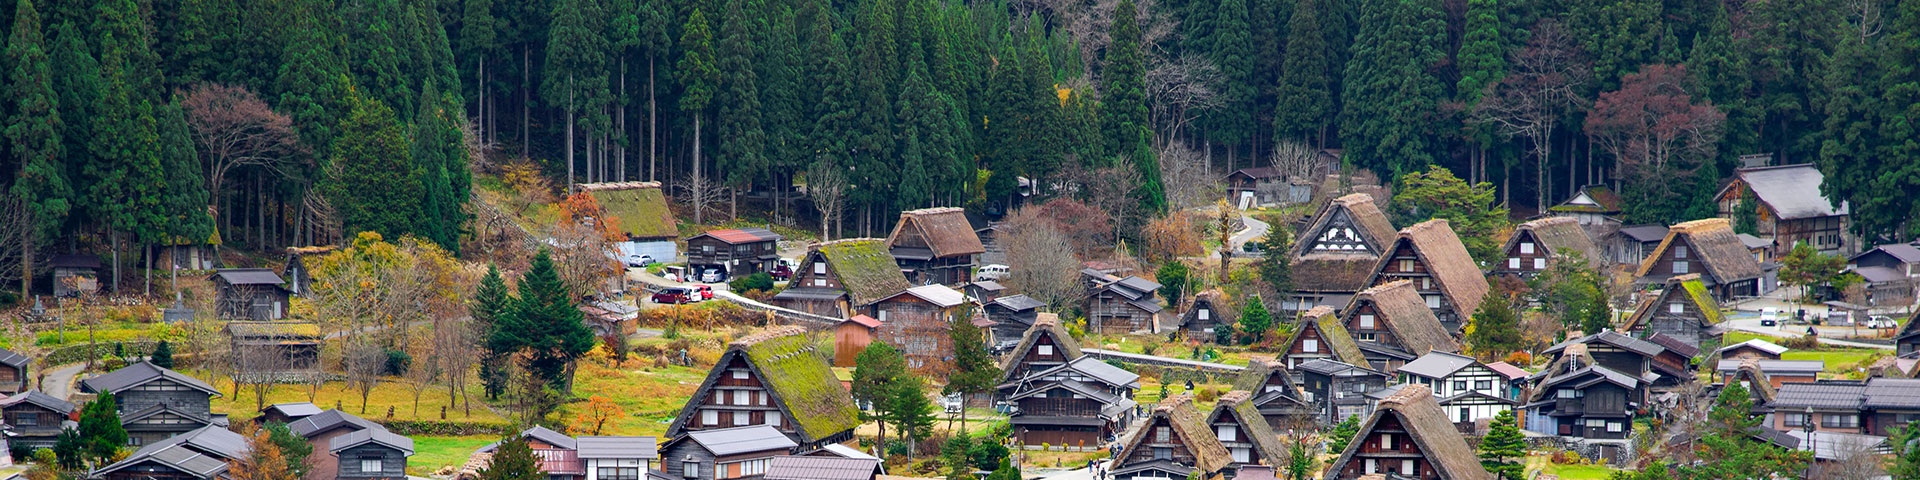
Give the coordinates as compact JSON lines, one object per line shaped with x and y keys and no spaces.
{"x":991,"y":272}
{"x":1769,"y":317}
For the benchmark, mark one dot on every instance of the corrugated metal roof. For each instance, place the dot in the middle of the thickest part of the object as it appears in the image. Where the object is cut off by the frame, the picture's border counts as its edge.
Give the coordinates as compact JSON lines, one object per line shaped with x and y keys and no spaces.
{"x":249,"y":276}
{"x":294,"y":409}
{"x":329,"y":420}
{"x":1437,"y":364}
{"x":11,"y":359}
{"x":1508,"y":370}
{"x":618,"y":447}
{"x":939,"y":295}
{"x":821,"y":468}
{"x":139,"y":374}
{"x":1792,"y":191}
{"x":733,"y":441}
{"x":1645,"y":233}
{"x":41,"y":399}
{"x":1019,"y":302}
{"x":1844,"y":396}
{"x":1099,"y":369}
{"x":844,"y":451}
{"x":1880,"y":274}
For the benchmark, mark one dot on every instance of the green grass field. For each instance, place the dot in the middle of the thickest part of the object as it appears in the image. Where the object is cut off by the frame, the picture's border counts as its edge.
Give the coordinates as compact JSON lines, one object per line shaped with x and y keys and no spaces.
{"x":1839,"y":360}
{"x":1580,"y":472}
{"x":1738,"y":336}
{"x":391,"y":393}
{"x":431,"y":453}
{"x":651,"y":397}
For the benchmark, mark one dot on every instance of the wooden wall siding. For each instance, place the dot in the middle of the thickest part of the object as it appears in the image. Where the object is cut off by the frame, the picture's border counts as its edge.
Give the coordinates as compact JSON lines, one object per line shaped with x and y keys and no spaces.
{"x":818,"y":274}
{"x":1377,"y":333}
{"x":149,"y":471}
{"x":1518,"y":261}
{"x":1297,"y":352}
{"x":724,"y":254}
{"x":1240,"y":443}
{"x":1198,"y":328}
{"x":1033,"y":361}
{"x":848,"y":340}
{"x":1110,"y":313}
{"x":919,"y":329}
{"x":1405,"y":265}
{"x":45,"y":422}
{"x":1824,"y":233}
{"x":1337,"y":398}
{"x":236,"y":302}
{"x":13,"y":380}
{"x":393,"y":463}
{"x":1059,"y":435}
{"x":1060,"y":402}
{"x":1683,"y":325}
{"x":1384,"y":448}
{"x":828,"y":308}
{"x":165,"y":392}
{"x":673,"y":460}
{"x":1887,"y":423}
{"x":1613,"y":357}
{"x":1161,"y":435}
{"x":1666,"y":262}
{"x":944,"y":271}
{"x":731,"y":397}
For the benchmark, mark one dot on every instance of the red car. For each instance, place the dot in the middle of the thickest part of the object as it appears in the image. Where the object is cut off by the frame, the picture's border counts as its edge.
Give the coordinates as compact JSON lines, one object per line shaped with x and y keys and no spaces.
{"x":781,"y":273}
{"x":674,"y":296}
{"x":706,"y":292}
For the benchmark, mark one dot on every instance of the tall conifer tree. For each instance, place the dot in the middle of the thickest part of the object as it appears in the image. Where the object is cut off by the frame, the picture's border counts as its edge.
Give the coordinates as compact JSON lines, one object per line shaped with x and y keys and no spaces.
{"x":743,"y":142}
{"x":32,"y":133}
{"x":1305,"y":99}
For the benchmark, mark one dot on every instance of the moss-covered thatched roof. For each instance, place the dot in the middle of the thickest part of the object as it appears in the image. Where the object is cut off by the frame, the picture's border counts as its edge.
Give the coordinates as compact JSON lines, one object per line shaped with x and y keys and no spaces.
{"x":638,"y":208}
{"x":865,"y":268}
{"x":800,"y":377}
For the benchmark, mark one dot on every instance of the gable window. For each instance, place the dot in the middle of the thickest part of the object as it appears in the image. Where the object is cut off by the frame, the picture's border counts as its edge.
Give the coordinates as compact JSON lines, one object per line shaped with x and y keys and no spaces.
{"x":1242,"y":455}
{"x":1162,"y":435}
{"x":1406,"y":467}
{"x":1162,"y":453}
{"x":773,"y":419}
{"x":709,"y":417}
{"x":1513,"y":263}
{"x":742,"y":397}
{"x":1526,"y":248}
{"x":1366,"y":320}
{"x":26,"y":419}
{"x":1676,"y":307}
{"x":739,"y":374}
{"x":706,"y":249}
{"x":370,"y":464}
{"x":1386,"y":441}
{"x":1364,"y":337}
{"x":1679,"y":251}
{"x":1046,"y":350}
{"x":1228,"y":433}
{"x":1679,"y":267}
{"x":1433,"y":301}
{"x":1204,"y":314}
{"x":742,"y":418}
{"x":1406,"y":265}
{"x":1310,"y":345}
{"x":1539,"y":263}
{"x":819,"y":282}
{"x":819,"y":268}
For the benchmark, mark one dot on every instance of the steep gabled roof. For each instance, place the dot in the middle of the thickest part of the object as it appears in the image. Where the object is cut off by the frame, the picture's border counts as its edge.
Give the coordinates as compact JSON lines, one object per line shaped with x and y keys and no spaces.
{"x":1715,"y":244}
{"x":1343,"y":270}
{"x":139,"y":374}
{"x":1322,"y":319}
{"x":638,"y":208}
{"x":1591,"y":199}
{"x":866,"y":270}
{"x":1239,"y":405}
{"x":1046,"y":324}
{"x":1260,"y":372}
{"x":798,"y":377}
{"x":1792,"y":192}
{"x":1179,"y":413}
{"x":1683,"y":288}
{"x":1407,"y":316}
{"x":1447,"y":261}
{"x":1212,"y":300}
{"x":318,"y":423}
{"x":945,"y":230}
{"x":1440,"y":443}
{"x":1561,"y":236}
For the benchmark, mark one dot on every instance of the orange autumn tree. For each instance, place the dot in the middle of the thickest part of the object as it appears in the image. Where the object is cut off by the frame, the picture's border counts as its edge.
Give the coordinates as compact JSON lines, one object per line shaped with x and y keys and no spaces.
{"x":582,"y":209}
{"x":264,"y":460}
{"x":593,"y":420}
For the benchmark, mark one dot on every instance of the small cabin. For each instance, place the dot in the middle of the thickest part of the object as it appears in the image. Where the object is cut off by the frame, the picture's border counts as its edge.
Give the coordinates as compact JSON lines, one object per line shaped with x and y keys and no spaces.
{"x":1536,"y":244}
{"x":298,"y":271}
{"x":75,"y":275}
{"x":1756,"y":349}
{"x":1594,"y":206}
{"x":372,"y":454}
{"x":916,"y":321}
{"x":34,"y":419}
{"x":727,"y":453}
{"x":1119,"y":305}
{"x":935,"y":246}
{"x":255,"y":294}
{"x":1206,"y":315}
{"x":1711,"y":249}
{"x":1012,"y":315}
{"x":640,"y":211}
{"x":851,"y":337}
{"x":843,"y":278}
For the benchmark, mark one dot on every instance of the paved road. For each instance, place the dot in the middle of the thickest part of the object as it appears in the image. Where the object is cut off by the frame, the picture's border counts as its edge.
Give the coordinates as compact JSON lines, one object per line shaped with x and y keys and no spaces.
{"x":1255,"y":230}
{"x":60,"y":380}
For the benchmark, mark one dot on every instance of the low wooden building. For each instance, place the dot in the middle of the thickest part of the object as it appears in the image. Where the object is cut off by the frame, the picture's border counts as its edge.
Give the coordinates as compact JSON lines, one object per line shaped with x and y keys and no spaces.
{"x":1779,"y":372}
{"x":297,"y":270}
{"x":851,"y":337}
{"x":1593,"y":206}
{"x":1392,"y":326}
{"x":1589,"y":394}
{"x":843,"y":278}
{"x":287,"y":413}
{"x":777,"y":378}
{"x":1708,"y":248}
{"x":1788,"y":207}
{"x":1320,"y":335}
{"x":156,"y":403}
{"x":1891,"y":271}
{"x":198,"y":454}
{"x":1408,"y":436}
{"x":1205,"y":316}
{"x":1336,"y":252}
{"x":1275,"y":395}
{"x":1683,"y":310}
{"x":75,"y":275}
{"x":640,"y":211}
{"x":255,"y":294}
{"x":1536,"y":244}
{"x":1630,"y":244}
{"x":284,"y":351}
{"x":1079,"y":405}
{"x":917,"y":321}
{"x":1012,"y":315}
{"x":1249,"y":439}
{"x":1119,"y":305}
{"x":374,"y":454}
{"x":34,"y":420}
{"x":1337,"y":390}
{"x":1261,"y":187}
{"x":14,"y":371}
{"x":984,"y":291}
{"x":1907,"y":340}
{"x":1469,"y":391}
{"x":1174,"y":443}
{"x":935,"y":246}
{"x":727,"y":453}
{"x":1756,"y":349}
{"x":1431,"y":256}
{"x":180,"y":253}
{"x":737,"y":252}
{"x":1042,"y":347}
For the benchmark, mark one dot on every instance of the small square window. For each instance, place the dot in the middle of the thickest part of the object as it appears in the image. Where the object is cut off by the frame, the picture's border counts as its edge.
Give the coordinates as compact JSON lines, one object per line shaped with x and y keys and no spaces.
{"x":739,"y":374}
{"x":1046,"y":350}
{"x":1539,"y":263}
{"x":742,"y":418}
{"x":1526,"y":248}
{"x":1513,"y":263}
{"x":1679,"y":267}
{"x":1310,"y":345}
{"x":819,"y":268}
{"x":1366,"y":320}
{"x":690,"y":470}
{"x":368,"y":465}
{"x":1676,"y":307}
{"x":1679,"y":251}
{"x":1613,"y":427}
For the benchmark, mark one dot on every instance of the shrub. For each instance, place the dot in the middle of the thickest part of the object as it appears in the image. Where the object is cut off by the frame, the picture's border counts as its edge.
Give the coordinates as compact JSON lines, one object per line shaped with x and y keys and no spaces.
{"x":1207,"y":394}
{"x":756,"y":282}
{"x":1801,"y":342}
{"x":1519,"y":359}
{"x":397,"y":362}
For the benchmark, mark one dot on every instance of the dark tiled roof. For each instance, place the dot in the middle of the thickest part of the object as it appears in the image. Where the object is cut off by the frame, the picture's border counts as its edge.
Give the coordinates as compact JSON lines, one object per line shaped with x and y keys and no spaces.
{"x":617,"y":447}
{"x":42,"y":400}
{"x":328,"y":420}
{"x":738,"y":440}
{"x":1329,"y":367}
{"x":821,"y":468}
{"x":174,"y":456}
{"x":378,"y":436}
{"x":139,"y":374}
{"x":1018,"y":302}
{"x":11,"y":359}
{"x":1893,"y":393}
{"x":1904,"y":252}
{"x":293,"y":409}
{"x":1673,"y":345}
{"x":1644,"y":233}
{"x":248,"y":276}
{"x":1825,"y":395}
{"x":1635,"y":345}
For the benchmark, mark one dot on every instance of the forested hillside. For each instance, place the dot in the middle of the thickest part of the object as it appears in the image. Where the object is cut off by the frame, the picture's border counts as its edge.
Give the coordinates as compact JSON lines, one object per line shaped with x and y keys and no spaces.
{"x":134,"y":123}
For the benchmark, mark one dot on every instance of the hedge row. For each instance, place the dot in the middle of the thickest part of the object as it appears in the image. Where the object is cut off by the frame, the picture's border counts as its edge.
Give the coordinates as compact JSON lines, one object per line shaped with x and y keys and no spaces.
{"x":83,"y":352}
{"x":446,"y":427}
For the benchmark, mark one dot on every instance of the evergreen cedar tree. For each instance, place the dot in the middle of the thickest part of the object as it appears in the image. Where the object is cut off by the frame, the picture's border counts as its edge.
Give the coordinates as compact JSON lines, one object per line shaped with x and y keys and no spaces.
{"x":1495,"y":329}
{"x":513,"y":460}
{"x":543,"y":324}
{"x":100,"y":428}
{"x":1255,"y":321}
{"x":1343,"y":433}
{"x":294,"y":449}
{"x":1504,"y":450}
{"x":162,"y":355}
{"x":489,"y":305}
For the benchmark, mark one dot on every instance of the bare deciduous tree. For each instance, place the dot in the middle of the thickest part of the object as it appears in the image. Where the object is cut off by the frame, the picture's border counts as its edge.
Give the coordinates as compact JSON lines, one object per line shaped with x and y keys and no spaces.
{"x":456,"y":347}
{"x":425,"y":367}
{"x":1856,"y":459}
{"x":1542,"y":87}
{"x":1295,"y":160}
{"x":583,"y":258}
{"x":259,"y":368}
{"x":1109,"y":189}
{"x":700,"y":193}
{"x":828,"y":189}
{"x":364,"y":363}
{"x":233,"y":128}
{"x":16,"y":237}
{"x":1184,"y":177}
{"x":1179,"y":89}
{"x":1043,"y":265}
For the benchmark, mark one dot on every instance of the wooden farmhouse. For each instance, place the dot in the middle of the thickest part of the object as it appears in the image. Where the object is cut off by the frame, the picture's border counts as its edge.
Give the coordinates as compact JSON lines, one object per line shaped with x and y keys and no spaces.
{"x":851,"y":337}
{"x":1593,"y":206}
{"x":1263,"y":187}
{"x":935,"y":246}
{"x":842,"y":278}
{"x":1078,"y":404}
{"x":1756,"y":349}
{"x":777,"y":378}
{"x":1675,"y":362}
{"x":34,"y":419}
{"x":1891,"y":271}
{"x":641,"y":213}
{"x":1468,"y":391}
{"x":197,"y":454}
{"x":1536,"y":244}
{"x":1708,"y":248}
{"x":1408,"y":436}
{"x":727,"y":453}
{"x":1118,"y":305}
{"x":1238,"y":425}
{"x":1432,"y":257}
{"x":1320,"y":335}
{"x":1880,"y":407}
{"x":1683,"y":310}
{"x":75,"y":275}
{"x":984,"y":291}
{"x":1274,"y":395}
{"x":373,"y":453}
{"x":1012,"y":315}
{"x":14,"y":371}
{"x":297,"y":270}
{"x":1336,"y":252}
{"x":1207,"y":313}
{"x":1393,"y":326}
{"x":156,"y":403}
{"x":917,"y":322}
{"x":1044,"y":346}
{"x":1789,"y":208}
{"x":737,"y":252}
{"x":255,"y":294}
{"x":1337,"y":390}
{"x":1630,"y":244}
{"x":287,"y":351}
{"x":1173,"y":443}
{"x":1589,"y":394}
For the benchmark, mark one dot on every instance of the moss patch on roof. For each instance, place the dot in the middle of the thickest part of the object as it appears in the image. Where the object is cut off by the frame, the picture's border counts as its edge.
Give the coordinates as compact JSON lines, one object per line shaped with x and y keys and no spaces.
{"x":799,"y":375}
{"x":865,"y":268}
{"x":1697,"y":291}
{"x":638,"y":208}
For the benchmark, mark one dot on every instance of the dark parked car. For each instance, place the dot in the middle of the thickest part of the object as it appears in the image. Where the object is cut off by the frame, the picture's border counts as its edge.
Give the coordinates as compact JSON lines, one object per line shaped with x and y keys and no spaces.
{"x":781,"y":272}
{"x":674,"y":296}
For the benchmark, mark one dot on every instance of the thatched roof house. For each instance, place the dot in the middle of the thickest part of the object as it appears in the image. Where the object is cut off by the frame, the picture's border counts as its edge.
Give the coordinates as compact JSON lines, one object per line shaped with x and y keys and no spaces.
{"x":1408,"y":435}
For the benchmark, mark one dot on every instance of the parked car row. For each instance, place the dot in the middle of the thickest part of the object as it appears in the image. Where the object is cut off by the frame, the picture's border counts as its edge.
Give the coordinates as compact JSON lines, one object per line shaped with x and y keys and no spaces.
{"x":683,"y":295}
